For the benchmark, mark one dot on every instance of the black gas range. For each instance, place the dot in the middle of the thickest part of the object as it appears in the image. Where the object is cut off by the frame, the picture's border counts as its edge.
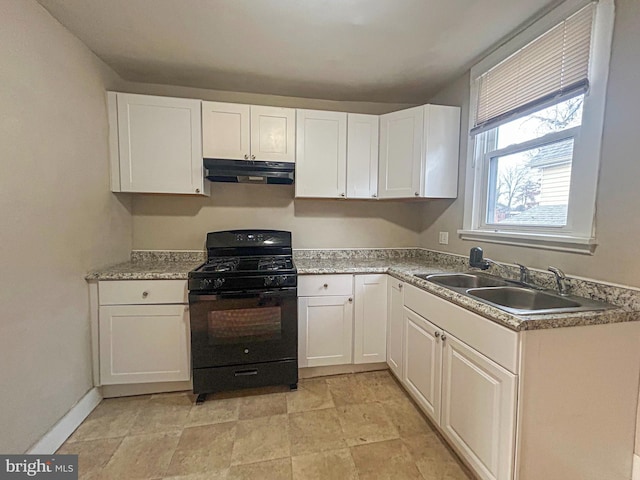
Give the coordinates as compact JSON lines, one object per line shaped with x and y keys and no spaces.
{"x":243,"y":312}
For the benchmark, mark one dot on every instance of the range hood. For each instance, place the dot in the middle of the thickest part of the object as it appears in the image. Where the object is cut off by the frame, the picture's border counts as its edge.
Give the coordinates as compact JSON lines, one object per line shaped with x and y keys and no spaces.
{"x":249,"y":171}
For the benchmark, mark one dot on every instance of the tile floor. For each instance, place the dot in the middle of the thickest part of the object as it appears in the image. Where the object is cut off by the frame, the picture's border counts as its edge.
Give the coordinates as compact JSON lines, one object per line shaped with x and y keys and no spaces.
{"x":360,"y":426}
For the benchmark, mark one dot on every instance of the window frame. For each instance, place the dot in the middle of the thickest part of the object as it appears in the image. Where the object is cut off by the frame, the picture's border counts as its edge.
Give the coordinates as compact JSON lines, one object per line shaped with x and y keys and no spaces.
{"x":578,"y":235}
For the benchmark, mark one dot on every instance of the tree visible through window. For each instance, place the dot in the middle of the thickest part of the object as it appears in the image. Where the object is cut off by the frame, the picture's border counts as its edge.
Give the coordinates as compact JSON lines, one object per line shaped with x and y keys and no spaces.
{"x":530,"y":184}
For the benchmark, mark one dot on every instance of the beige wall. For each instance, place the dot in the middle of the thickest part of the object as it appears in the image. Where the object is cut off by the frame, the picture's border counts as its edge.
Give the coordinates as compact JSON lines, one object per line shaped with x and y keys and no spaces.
{"x":58,"y":217}
{"x":617,"y":257}
{"x":172,"y":222}
{"x":167,"y":222}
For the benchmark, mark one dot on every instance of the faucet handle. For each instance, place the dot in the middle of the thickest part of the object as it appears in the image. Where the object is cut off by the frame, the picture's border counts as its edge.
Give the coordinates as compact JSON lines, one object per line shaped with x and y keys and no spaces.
{"x":564,"y":284}
{"x":524,"y":273}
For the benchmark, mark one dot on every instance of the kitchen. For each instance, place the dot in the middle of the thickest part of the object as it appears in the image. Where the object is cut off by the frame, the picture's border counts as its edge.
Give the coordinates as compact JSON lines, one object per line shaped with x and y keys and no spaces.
{"x":55,"y":189}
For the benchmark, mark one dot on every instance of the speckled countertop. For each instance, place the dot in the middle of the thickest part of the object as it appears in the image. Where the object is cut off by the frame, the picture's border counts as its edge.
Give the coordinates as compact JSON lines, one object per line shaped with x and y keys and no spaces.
{"x":401,"y":264}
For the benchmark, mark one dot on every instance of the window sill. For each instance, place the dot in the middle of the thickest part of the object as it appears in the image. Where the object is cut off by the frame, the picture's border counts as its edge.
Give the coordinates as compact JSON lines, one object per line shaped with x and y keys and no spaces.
{"x":545,"y":241}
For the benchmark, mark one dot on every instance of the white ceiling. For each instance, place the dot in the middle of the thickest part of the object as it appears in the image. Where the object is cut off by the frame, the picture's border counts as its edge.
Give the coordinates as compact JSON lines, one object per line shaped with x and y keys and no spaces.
{"x":362,"y":50}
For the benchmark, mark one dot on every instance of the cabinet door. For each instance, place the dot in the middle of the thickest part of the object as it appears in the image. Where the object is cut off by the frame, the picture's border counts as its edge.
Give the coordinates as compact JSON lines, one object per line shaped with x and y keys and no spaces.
{"x":362,"y":156}
{"x":422,"y":362}
{"x":144,"y":343}
{"x":159,"y":144}
{"x":321,"y":154}
{"x":370,"y":321}
{"x":325,"y":326}
{"x":396,"y":326}
{"x":400,"y":153}
{"x":225,"y":130}
{"x":441,"y":151}
{"x":273,"y":134}
{"x":478,"y":409}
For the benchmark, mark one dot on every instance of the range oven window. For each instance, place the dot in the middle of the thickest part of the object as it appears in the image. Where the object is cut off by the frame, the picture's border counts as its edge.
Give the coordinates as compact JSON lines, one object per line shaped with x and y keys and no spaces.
{"x":244,"y":325}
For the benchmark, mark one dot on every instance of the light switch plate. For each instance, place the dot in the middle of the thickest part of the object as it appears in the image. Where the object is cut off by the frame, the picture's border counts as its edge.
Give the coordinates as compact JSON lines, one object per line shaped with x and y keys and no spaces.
{"x":444,"y":238}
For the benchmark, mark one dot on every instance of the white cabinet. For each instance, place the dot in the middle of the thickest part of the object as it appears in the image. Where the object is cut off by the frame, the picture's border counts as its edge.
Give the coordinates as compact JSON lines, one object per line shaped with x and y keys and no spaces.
{"x":321,"y":154}
{"x":248,"y":132}
{"x":395,"y":326}
{"x":419,"y":152}
{"x":141,"y":330}
{"x":422,"y":362}
{"x":325,"y":326}
{"x":362,"y":156}
{"x":478,"y":409}
{"x":468,"y":395}
{"x":370,"y":320}
{"x":156,"y":144}
{"x":337,"y":155}
{"x":144,"y":343}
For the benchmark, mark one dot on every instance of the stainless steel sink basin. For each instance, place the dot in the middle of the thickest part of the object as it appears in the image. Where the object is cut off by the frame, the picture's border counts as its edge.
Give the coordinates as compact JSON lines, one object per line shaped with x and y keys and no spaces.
{"x":511,"y":295}
{"x":522,"y":298}
{"x":463,"y":280}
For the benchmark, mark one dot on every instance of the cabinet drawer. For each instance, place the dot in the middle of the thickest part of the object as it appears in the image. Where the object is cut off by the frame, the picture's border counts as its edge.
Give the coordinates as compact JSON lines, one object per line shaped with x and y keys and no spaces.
{"x":495,"y":341}
{"x":142,"y":292}
{"x":324,"y":285}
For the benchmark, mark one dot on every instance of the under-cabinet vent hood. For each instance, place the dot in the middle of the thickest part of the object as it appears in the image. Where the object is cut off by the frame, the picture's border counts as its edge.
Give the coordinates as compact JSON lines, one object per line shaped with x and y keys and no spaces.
{"x":249,"y":171}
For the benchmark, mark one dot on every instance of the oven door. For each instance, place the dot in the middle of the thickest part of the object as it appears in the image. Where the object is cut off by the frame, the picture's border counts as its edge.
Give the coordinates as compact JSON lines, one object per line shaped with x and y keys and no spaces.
{"x":234,"y":328}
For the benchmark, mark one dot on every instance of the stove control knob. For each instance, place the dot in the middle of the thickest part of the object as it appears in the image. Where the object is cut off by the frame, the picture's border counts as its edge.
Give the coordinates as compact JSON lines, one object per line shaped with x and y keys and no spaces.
{"x":281,"y":280}
{"x":268,"y":281}
{"x":205,"y":283}
{"x":218,"y":282}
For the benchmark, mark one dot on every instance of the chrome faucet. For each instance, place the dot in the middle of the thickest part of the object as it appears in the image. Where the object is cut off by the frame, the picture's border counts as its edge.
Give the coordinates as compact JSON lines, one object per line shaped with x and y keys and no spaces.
{"x":525,"y":274}
{"x":561,"y":280}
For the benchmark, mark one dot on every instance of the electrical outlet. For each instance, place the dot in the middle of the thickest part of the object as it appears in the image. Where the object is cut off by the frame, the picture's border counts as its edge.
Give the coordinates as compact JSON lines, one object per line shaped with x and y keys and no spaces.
{"x":444,"y":238}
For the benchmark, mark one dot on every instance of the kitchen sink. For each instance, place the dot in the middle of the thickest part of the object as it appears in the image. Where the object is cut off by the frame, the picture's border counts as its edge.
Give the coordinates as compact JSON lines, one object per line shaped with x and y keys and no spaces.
{"x":511,"y":295}
{"x":519,"y":298}
{"x":464,"y":280}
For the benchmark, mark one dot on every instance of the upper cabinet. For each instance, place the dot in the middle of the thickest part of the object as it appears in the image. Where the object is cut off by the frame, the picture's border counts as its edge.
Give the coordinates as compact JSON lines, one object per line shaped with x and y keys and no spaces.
{"x":156,"y":144}
{"x":321,"y":154}
{"x":248,"y":132}
{"x":337,"y":155}
{"x":362,"y":156}
{"x":419,"y":152}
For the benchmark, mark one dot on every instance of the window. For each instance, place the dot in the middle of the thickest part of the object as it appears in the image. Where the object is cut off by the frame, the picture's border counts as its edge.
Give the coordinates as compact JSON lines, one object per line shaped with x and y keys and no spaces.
{"x":537,"y":108}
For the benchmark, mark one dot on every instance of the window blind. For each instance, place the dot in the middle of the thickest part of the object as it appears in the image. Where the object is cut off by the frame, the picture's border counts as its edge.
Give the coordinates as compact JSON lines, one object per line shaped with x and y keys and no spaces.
{"x":556,"y":64}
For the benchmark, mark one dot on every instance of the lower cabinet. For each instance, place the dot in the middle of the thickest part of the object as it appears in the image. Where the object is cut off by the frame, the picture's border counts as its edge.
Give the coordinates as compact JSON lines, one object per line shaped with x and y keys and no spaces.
{"x":370,"y":321}
{"x":478,"y":409}
{"x":422,"y":362}
{"x":342,"y":319}
{"x":325,"y":326}
{"x":144,"y":343}
{"x":395,"y":326}
{"x":468,"y":395}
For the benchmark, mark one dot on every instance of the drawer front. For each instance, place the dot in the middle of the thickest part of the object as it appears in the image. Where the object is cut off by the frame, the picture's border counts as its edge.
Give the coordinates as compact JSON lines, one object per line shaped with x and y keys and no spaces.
{"x":492,"y":340}
{"x":142,"y":292}
{"x":324,"y":285}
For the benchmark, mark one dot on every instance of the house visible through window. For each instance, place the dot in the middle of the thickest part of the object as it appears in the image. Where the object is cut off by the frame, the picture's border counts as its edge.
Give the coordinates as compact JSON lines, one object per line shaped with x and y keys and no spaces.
{"x":537,"y":106}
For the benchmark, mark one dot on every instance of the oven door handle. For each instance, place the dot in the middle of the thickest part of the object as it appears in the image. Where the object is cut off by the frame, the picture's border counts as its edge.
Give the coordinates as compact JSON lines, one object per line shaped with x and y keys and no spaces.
{"x":194,"y":297}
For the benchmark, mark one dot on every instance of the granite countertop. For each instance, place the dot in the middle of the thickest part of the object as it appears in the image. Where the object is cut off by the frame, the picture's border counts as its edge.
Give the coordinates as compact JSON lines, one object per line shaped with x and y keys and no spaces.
{"x":403,"y":266}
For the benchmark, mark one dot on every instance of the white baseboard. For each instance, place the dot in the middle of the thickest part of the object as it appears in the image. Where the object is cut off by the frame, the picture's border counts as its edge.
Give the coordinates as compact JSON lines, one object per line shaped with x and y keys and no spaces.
{"x":636,"y":467}
{"x":62,"y":430}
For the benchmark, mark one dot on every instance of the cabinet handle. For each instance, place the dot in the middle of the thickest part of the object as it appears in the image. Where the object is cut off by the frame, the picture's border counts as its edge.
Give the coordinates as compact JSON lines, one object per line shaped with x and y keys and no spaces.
{"x":253,"y":157}
{"x":342,"y":195}
{"x":350,"y":300}
{"x":400,"y":286}
{"x":246,"y":157}
{"x":444,"y":337}
{"x":417,"y":194}
{"x":374,"y":195}
{"x":437,"y":334}
{"x":145,"y":294}
{"x":197,"y":190}
{"x":326,"y":285}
